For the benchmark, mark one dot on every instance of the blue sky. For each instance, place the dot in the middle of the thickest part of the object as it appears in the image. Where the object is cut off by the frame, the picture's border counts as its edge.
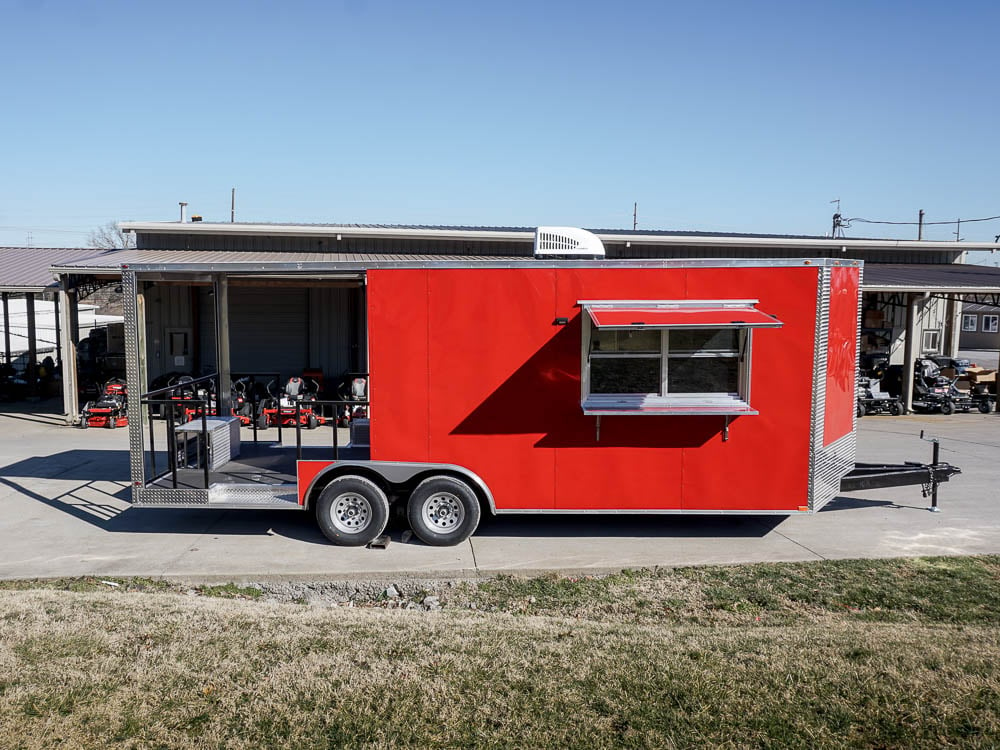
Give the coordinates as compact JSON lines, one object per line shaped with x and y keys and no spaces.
{"x":727,"y":116}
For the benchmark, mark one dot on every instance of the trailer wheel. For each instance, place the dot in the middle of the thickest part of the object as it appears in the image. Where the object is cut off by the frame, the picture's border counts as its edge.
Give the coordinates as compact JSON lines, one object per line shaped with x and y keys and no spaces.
{"x":947,"y":407}
{"x":352,"y":511}
{"x":443,"y":511}
{"x":895,"y":408}
{"x":984,"y":406}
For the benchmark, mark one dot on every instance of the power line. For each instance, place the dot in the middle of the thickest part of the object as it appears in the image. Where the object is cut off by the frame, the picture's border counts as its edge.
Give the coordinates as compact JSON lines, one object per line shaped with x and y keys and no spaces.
{"x":847,"y":222}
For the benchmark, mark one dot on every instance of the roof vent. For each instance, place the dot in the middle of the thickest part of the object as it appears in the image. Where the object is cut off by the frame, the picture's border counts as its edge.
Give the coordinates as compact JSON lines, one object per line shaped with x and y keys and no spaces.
{"x":567,"y":242}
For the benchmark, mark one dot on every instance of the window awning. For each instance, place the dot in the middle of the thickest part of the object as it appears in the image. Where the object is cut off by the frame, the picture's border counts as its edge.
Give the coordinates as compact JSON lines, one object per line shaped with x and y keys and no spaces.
{"x":678,"y":314}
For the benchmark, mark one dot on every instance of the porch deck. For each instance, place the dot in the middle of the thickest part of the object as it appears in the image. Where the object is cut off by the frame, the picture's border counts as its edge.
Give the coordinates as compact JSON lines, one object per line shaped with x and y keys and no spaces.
{"x":260,"y":465}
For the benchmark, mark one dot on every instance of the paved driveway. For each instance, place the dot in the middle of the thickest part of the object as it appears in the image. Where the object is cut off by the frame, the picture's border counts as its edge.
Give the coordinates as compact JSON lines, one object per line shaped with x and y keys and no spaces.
{"x":63,"y":496}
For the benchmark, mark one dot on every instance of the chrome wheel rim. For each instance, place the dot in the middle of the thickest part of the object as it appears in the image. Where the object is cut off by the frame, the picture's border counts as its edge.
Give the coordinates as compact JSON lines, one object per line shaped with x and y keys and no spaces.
{"x":443,"y":512}
{"x":351,"y":513}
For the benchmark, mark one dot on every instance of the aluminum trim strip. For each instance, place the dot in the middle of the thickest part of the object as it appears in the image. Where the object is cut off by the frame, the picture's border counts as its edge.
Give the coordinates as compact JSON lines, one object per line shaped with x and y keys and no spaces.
{"x":109,"y":265}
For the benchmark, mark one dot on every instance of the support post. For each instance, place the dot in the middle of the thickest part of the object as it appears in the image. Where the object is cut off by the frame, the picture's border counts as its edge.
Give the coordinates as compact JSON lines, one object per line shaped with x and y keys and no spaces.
{"x":6,"y":327}
{"x":952,"y":325}
{"x":68,"y":336}
{"x":909,"y":352}
{"x":223,"y":398}
{"x":31,"y":370}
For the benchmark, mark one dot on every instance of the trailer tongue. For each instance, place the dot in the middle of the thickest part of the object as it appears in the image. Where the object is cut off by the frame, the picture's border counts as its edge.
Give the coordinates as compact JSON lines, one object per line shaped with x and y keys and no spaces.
{"x":876,"y":476}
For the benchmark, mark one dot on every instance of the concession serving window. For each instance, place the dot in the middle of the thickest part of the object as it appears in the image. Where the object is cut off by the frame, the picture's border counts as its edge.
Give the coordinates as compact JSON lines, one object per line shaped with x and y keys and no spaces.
{"x":669,"y":356}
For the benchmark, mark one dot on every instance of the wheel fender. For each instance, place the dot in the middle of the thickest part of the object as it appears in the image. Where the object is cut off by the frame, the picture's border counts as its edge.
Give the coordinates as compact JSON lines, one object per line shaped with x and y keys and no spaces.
{"x":314,"y":475}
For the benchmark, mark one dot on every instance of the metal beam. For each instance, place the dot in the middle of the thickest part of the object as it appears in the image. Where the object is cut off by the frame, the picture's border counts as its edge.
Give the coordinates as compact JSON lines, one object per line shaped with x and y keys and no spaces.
{"x":909,"y":352}
{"x":68,"y":338}
{"x":6,"y":327}
{"x":223,"y":398}
{"x":31,"y":369}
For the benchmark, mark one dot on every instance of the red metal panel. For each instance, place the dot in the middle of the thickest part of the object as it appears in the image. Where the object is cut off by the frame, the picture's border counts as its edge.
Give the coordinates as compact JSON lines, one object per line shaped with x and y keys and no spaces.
{"x":681,"y":462}
{"x":306,"y":472}
{"x":842,"y":354}
{"x":470,"y":367}
{"x":618,"y":317}
{"x":397,"y":360}
{"x":765,"y":463}
{"x":497,"y":378}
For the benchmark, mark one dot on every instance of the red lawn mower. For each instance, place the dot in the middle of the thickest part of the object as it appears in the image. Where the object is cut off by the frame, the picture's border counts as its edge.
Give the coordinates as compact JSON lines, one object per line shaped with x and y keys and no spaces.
{"x":110,"y":409}
{"x":296,"y":396}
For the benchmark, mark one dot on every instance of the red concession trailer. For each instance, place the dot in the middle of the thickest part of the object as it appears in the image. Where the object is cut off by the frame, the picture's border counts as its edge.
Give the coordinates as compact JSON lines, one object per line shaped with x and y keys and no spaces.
{"x":579,"y":386}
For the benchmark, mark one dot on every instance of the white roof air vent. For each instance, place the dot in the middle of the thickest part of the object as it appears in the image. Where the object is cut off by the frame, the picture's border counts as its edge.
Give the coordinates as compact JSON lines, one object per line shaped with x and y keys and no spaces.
{"x":562,"y":242}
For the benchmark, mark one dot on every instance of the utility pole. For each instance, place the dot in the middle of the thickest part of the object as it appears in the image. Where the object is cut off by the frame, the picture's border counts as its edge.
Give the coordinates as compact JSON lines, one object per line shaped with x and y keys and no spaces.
{"x":920,"y":225}
{"x":958,"y":230}
{"x":232,"y":207}
{"x":635,"y":215}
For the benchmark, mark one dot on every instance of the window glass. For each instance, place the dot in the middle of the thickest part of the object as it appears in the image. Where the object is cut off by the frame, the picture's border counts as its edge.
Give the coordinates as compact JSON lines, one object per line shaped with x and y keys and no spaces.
{"x":931,"y":339}
{"x":703,"y":375}
{"x":990,"y":323}
{"x":625,"y":375}
{"x":628,"y":340}
{"x":700,"y":339}
{"x":968,"y":322}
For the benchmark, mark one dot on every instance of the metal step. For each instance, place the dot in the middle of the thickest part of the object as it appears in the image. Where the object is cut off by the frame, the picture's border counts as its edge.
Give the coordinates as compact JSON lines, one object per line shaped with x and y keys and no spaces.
{"x":282,"y":496}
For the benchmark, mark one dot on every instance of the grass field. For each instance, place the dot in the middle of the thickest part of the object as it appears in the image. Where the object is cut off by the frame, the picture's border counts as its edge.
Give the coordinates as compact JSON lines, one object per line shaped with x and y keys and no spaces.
{"x":833,"y":654}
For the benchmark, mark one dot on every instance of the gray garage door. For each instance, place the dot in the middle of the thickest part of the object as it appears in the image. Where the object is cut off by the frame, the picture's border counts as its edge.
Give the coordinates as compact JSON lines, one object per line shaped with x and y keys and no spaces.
{"x":287,"y":330}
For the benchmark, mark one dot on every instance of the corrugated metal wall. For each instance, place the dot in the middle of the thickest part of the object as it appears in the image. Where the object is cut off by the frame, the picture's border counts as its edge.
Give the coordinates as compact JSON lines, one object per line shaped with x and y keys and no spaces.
{"x":167,"y":307}
{"x":287,"y":329}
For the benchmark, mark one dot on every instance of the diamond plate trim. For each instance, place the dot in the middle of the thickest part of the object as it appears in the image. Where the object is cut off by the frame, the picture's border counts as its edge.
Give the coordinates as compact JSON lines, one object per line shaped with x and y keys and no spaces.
{"x":158,"y":496}
{"x":132,"y":341}
{"x":243,"y":495}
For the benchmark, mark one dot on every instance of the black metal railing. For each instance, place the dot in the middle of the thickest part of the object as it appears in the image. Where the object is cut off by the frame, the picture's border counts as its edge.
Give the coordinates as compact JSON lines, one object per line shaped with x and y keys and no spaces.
{"x":182,"y":395}
{"x":183,"y":400}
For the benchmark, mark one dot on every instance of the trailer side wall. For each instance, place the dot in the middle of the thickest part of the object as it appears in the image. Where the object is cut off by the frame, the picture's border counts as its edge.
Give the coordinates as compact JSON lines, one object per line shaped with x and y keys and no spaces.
{"x":470,"y":367}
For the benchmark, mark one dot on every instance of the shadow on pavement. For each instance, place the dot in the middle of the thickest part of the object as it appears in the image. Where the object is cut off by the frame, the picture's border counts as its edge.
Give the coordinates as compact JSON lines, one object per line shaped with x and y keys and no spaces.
{"x":638,"y":526}
{"x":102,"y":493}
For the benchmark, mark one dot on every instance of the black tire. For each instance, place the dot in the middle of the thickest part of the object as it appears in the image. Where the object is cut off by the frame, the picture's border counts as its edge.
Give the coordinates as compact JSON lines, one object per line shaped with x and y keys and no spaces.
{"x":947,"y":407}
{"x":443,"y":511}
{"x":312,"y":423}
{"x":983,"y":406}
{"x":112,"y":422}
{"x":352,"y":511}
{"x":895,"y":408}
{"x":262,"y":422}
{"x":861,"y":409}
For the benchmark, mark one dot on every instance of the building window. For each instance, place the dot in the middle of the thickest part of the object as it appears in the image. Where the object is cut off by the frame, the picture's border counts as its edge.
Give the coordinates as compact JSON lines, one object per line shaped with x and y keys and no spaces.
{"x":968,"y":322}
{"x":990,"y":323}
{"x":932,"y":341}
{"x":668,"y":357}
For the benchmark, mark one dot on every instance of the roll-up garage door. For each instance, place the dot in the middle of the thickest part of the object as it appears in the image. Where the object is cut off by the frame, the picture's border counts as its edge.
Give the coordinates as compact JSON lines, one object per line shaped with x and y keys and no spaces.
{"x":268,"y":330}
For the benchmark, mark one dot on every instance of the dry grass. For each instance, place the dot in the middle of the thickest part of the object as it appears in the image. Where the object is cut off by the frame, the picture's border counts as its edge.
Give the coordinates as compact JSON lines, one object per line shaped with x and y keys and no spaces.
{"x":135,"y":669}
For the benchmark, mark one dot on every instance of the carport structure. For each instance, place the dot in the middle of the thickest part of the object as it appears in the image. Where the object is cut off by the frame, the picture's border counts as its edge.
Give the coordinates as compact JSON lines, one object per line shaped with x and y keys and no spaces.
{"x":264,"y":318}
{"x":26,"y":273}
{"x":912,"y":288}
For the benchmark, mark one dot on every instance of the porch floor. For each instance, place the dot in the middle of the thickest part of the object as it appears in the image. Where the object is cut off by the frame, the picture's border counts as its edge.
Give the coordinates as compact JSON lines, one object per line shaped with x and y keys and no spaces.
{"x":260,"y":465}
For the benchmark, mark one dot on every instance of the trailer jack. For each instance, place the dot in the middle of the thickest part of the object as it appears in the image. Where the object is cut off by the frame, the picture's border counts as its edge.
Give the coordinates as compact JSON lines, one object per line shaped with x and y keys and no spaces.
{"x":928,"y":476}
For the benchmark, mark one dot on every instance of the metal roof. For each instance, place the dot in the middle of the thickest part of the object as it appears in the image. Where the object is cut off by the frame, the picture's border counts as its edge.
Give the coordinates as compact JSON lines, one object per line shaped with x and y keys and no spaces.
{"x":969,"y":307}
{"x":28,"y":269}
{"x":935,"y":277}
{"x":526,"y":234}
{"x":277,"y":262}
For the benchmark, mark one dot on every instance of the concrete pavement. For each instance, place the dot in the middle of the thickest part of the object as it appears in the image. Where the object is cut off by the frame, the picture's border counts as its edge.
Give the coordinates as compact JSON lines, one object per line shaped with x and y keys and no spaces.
{"x":63,"y":496}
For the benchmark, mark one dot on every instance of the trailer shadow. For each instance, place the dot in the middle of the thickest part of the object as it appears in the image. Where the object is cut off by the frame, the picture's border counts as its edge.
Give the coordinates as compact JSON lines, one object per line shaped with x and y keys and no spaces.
{"x":104,"y":501}
{"x":624,"y":526}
